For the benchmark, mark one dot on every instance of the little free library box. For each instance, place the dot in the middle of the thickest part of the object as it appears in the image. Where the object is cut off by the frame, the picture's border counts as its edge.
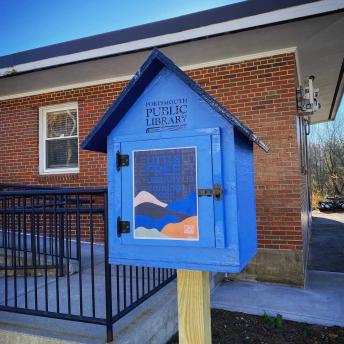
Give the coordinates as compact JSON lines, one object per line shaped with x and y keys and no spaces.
{"x":180,"y":175}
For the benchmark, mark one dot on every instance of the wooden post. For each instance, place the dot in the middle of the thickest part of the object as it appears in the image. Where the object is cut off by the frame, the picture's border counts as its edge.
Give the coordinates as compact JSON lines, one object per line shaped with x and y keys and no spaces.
{"x":194,"y":320}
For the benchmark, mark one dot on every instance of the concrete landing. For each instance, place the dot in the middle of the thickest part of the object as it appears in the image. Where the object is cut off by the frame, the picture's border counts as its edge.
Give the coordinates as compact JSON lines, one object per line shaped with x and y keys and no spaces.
{"x":321,"y":302}
{"x":154,"y":321}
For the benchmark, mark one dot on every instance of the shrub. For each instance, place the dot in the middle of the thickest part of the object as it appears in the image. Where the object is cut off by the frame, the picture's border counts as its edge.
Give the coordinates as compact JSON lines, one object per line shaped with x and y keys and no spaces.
{"x":316,"y":198}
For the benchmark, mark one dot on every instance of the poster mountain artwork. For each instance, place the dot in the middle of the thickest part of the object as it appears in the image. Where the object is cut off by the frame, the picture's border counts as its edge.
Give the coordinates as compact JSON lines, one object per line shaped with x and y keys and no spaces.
{"x":165,"y":197}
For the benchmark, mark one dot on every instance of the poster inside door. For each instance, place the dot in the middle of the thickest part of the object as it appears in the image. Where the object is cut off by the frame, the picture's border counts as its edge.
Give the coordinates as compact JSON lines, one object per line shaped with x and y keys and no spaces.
{"x":165,"y":194}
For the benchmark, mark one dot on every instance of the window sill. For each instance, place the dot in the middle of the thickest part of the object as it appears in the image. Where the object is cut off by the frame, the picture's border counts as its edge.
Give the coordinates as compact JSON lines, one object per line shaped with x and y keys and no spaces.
{"x":59,"y":171}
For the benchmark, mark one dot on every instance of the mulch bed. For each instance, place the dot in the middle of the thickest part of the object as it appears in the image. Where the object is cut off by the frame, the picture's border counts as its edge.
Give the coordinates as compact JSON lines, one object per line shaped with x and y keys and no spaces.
{"x":240,"y":328}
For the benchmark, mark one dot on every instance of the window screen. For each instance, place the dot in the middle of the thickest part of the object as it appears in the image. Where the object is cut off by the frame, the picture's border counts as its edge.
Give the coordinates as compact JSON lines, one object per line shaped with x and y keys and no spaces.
{"x":62,"y":153}
{"x":62,"y":124}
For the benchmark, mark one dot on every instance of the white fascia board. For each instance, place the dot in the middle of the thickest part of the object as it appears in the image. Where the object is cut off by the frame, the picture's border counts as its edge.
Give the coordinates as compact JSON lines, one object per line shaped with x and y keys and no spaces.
{"x":209,"y":30}
{"x":212,"y":63}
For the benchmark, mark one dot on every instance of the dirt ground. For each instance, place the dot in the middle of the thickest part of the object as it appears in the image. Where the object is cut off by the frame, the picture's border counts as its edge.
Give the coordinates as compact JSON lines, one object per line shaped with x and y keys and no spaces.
{"x":240,"y":328}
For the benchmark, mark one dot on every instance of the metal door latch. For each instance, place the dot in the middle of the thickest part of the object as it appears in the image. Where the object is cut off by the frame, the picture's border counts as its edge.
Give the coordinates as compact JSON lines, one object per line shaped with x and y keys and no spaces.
{"x":123,"y":227}
{"x":216,"y":191}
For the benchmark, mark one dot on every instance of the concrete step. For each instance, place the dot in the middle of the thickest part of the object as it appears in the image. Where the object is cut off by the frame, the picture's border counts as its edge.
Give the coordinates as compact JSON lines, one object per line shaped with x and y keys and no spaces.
{"x":34,"y":265}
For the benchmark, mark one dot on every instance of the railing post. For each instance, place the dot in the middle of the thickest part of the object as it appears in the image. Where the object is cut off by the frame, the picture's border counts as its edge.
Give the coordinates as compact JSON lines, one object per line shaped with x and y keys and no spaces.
{"x":33,"y":231}
{"x":108,"y":292}
{"x":61,"y":238}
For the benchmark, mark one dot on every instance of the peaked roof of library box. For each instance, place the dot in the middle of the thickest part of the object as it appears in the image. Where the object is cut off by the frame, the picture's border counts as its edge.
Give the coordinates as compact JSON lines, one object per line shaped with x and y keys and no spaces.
{"x":97,"y":138}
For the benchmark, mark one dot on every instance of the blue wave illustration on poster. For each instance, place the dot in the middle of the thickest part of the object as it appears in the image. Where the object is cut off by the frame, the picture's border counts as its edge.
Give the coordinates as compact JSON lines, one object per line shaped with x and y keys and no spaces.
{"x":156,"y":217}
{"x":148,"y":222}
{"x":186,"y":205}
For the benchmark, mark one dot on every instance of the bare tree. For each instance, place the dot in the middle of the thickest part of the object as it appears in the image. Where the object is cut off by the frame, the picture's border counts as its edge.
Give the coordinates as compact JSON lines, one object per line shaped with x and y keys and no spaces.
{"x":327,"y":158}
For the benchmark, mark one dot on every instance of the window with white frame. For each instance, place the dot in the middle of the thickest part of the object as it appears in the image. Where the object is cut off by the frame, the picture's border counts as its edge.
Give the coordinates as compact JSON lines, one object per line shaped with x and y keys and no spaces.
{"x":59,"y":141}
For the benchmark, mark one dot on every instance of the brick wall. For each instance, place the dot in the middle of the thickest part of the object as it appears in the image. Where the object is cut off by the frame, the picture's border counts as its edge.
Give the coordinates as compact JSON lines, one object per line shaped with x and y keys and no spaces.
{"x":260,"y":92}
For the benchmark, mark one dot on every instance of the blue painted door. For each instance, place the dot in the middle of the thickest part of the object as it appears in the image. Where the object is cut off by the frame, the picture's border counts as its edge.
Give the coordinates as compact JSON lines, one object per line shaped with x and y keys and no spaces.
{"x":160,"y":187}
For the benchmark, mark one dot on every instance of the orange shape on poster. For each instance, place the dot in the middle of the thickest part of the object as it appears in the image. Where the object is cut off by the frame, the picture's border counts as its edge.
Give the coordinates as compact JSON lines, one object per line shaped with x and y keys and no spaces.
{"x":187,"y":229}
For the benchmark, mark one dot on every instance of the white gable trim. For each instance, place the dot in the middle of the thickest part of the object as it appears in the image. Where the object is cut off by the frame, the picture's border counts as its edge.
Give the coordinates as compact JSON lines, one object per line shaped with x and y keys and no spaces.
{"x":213,"y":63}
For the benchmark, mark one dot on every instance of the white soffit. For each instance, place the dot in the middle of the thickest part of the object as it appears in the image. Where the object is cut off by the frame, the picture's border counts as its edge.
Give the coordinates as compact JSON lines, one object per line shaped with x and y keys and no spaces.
{"x":212,"y":63}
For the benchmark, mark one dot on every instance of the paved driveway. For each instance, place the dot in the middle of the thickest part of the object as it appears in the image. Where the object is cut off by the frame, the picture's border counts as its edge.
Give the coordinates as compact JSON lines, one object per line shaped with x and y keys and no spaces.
{"x":327,"y":242}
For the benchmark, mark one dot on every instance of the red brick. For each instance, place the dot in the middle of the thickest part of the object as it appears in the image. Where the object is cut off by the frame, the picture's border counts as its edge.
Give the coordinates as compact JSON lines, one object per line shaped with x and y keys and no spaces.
{"x":261,"y":93}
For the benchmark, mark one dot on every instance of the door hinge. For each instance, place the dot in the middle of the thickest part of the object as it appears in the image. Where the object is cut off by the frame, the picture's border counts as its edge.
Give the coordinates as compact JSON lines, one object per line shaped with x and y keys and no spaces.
{"x":123,"y":227}
{"x":122,"y":160}
{"x":216,"y":191}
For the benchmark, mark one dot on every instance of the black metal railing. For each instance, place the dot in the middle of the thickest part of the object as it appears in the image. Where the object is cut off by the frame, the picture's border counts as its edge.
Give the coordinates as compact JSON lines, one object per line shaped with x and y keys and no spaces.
{"x":21,"y":187}
{"x":54,"y":258}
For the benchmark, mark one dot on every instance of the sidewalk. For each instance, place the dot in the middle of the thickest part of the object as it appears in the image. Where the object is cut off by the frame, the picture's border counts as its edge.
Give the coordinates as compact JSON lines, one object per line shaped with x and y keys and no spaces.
{"x":321,"y":302}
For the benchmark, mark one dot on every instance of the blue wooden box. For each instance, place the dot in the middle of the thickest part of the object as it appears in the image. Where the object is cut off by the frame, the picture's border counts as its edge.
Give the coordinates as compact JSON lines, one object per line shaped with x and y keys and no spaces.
{"x":180,"y":175}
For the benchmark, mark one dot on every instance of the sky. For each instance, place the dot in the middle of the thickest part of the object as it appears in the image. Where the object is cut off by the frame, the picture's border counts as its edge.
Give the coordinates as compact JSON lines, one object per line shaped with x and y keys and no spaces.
{"x":340,"y":113}
{"x":28,"y":24}
{"x":321,"y":127}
